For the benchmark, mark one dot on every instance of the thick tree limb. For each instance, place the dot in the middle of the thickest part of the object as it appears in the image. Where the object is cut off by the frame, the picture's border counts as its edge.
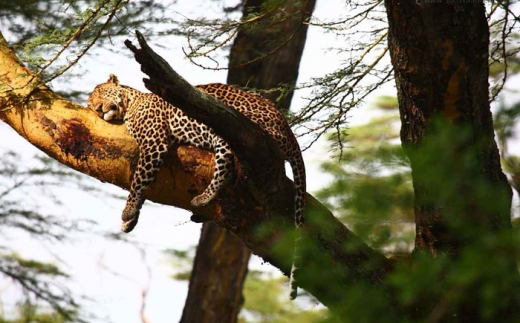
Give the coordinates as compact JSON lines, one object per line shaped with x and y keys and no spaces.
{"x":77,"y":138}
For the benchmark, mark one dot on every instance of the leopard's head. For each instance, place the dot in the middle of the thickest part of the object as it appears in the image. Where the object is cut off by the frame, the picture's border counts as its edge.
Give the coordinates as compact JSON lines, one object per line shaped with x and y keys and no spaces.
{"x":107,"y":100}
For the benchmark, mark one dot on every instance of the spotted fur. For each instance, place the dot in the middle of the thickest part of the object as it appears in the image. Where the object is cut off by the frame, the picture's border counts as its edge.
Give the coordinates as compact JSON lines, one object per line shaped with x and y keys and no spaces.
{"x":156,"y":125}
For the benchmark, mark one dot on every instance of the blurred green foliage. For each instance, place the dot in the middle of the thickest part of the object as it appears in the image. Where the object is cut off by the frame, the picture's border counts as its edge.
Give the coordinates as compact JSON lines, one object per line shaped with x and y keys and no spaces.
{"x":266,"y":301}
{"x":28,"y":313}
{"x":371,"y":189}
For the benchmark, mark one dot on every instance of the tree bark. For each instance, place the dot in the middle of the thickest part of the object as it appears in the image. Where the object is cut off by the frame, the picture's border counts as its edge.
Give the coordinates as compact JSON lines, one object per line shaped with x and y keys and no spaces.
{"x":439,"y":52}
{"x":258,"y":209}
{"x":219,"y":270}
{"x":267,"y":54}
{"x":221,"y":261}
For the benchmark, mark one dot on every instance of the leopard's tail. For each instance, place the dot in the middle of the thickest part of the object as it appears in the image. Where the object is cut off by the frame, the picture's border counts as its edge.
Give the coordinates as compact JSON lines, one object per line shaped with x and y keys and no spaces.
{"x":298,"y":169}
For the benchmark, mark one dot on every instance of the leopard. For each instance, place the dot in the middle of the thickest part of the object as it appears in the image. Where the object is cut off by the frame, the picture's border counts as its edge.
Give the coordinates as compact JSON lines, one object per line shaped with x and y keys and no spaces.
{"x":157,"y":125}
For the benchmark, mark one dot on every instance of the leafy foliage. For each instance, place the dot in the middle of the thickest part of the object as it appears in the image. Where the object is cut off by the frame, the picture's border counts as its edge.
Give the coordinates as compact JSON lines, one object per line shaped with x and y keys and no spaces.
{"x":266,"y":301}
{"x":371,"y":189}
{"x":20,"y":181}
{"x":29,"y":313}
{"x":373,"y":178}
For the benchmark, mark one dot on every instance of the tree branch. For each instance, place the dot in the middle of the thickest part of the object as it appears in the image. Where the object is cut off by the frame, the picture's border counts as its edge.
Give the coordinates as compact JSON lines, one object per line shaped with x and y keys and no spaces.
{"x":262,"y":218}
{"x":241,"y":133}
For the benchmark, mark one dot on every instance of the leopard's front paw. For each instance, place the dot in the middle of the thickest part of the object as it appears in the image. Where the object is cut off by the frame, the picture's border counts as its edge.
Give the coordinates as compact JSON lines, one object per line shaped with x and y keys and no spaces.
{"x":200,"y":200}
{"x":129,"y":225}
{"x":130,"y":217}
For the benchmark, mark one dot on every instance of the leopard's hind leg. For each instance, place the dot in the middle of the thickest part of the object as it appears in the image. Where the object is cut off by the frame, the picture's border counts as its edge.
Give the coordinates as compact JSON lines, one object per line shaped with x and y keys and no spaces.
{"x":222,"y":172}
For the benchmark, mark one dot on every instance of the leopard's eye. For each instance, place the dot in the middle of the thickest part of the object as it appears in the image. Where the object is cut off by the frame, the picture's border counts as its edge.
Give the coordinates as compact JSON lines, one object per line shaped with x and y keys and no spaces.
{"x":113,"y":107}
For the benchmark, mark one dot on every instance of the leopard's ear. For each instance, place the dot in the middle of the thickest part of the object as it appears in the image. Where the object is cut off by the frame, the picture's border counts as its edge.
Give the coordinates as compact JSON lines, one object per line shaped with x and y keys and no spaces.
{"x":113,"y":79}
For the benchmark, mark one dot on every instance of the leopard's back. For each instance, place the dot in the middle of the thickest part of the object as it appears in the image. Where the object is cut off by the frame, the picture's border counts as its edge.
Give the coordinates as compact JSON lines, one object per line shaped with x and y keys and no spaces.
{"x":259,"y":110}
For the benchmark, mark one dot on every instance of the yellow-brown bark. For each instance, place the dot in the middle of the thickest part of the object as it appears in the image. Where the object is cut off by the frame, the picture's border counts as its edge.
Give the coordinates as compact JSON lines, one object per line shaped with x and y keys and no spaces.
{"x":79,"y":139}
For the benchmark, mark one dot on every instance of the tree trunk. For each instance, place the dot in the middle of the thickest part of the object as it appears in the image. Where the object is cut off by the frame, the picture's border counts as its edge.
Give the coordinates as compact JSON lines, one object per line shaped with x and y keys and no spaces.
{"x":221,"y":260}
{"x":440,"y":56}
{"x":217,"y":277}
{"x":267,"y":54}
